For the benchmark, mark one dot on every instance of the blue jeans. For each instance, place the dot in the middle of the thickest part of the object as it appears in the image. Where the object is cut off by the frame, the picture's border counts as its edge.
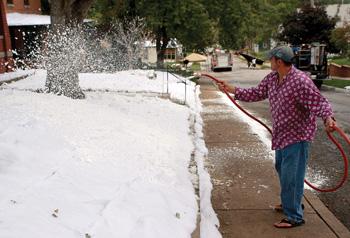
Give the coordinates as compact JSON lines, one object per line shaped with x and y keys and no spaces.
{"x":291,"y":165}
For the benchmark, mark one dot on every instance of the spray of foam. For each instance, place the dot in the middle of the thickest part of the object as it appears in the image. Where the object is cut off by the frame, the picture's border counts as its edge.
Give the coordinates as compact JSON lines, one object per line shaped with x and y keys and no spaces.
{"x":314,"y":176}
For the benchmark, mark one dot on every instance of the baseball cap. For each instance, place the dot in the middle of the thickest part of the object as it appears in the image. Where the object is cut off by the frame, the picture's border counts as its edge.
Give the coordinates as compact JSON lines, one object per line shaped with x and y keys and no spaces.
{"x":282,"y":52}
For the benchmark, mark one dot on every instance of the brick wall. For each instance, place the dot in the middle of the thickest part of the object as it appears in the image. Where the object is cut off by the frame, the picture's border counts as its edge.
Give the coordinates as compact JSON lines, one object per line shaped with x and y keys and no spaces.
{"x":34,"y":6}
{"x":339,"y":70}
{"x":5,"y":42}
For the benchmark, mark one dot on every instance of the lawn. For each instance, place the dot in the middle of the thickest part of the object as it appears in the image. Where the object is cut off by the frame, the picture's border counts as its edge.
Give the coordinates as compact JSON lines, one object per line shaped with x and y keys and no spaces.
{"x":262,"y":55}
{"x":339,"y":83}
{"x":340,"y":61}
{"x":196,"y":66}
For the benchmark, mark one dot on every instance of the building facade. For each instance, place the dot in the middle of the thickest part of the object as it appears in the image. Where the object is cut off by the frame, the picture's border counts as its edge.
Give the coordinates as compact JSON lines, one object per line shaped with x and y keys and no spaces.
{"x":5,"y":41}
{"x":18,"y":28}
{"x":23,"y":6}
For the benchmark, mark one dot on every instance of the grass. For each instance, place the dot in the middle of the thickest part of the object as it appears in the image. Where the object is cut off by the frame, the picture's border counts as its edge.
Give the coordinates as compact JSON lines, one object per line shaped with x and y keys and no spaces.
{"x":264,"y":66}
{"x":340,"y":61}
{"x":338,"y":83}
{"x":262,"y":55}
{"x":196,"y":66}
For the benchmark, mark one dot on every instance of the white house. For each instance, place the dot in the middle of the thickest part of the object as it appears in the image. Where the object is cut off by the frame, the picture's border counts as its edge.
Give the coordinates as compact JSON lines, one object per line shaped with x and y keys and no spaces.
{"x":173,"y":52}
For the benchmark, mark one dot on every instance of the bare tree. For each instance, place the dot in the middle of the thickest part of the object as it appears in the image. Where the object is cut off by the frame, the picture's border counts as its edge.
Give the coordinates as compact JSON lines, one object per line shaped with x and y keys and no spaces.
{"x":129,"y":37}
{"x":65,"y":48}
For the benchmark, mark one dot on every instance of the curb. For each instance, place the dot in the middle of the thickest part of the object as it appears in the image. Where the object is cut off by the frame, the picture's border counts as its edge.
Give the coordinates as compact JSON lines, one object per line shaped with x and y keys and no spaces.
{"x":196,"y":233}
{"x":16,"y":78}
{"x":336,"y":77}
{"x":328,"y":217}
{"x":330,"y":88}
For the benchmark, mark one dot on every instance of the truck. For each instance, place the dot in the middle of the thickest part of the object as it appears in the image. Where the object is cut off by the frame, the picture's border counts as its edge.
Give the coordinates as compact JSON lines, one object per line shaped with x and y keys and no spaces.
{"x":312,"y":59}
{"x":221,"y":61}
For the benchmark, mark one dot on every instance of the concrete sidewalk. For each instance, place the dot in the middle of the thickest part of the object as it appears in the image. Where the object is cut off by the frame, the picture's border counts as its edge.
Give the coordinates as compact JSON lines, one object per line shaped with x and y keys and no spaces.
{"x":245,"y":185}
{"x":15,"y":76}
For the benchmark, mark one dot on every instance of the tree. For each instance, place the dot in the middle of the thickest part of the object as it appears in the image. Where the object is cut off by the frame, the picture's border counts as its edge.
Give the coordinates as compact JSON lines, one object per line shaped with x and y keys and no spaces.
{"x":327,"y":2}
{"x":128,"y":37}
{"x":230,"y":23}
{"x":198,"y":24}
{"x":65,"y":12}
{"x":45,"y":7}
{"x":186,"y":20}
{"x":195,"y":29}
{"x":341,"y":39}
{"x":65,"y":47}
{"x":307,"y":25}
{"x":241,"y":23}
{"x":160,"y":19}
{"x":107,"y":12}
{"x":270,"y":16}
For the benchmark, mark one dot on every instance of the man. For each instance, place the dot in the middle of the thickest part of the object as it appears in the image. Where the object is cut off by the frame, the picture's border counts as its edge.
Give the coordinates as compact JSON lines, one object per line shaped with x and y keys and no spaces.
{"x":295,"y":102}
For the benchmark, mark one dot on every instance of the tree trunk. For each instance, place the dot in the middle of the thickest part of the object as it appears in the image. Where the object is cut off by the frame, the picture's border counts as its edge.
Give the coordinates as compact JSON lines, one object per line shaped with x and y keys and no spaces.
{"x":68,"y":11}
{"x":161,"y":44}
{"x":80,"y":10}
{"x":62,"y":74}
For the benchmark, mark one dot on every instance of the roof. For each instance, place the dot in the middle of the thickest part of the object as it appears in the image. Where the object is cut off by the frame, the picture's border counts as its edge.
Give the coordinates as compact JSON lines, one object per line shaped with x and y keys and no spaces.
{"x":22,"y":19}
{"x":172,"y":44}
{"x":149,"y":43}
{"x":194,"y":57}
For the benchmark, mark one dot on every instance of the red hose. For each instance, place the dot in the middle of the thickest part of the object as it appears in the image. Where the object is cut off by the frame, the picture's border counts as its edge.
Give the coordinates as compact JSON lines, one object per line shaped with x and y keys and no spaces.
{"x":330,"y":136}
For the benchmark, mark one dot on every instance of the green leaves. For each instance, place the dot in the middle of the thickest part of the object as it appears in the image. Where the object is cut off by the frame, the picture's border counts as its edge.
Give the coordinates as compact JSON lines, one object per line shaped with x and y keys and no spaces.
{"x":307,"y":25}
{"x":198,"y":24}
{"x":340,"y":37}
{"x":243,"y":22}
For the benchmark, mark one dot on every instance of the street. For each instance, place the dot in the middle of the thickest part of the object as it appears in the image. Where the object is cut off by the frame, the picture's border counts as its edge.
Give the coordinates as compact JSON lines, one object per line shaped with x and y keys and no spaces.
{"x":325,"y":159}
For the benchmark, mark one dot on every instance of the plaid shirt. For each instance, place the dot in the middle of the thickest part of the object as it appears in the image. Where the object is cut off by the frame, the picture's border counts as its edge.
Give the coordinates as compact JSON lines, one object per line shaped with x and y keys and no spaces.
{"x":294,"y":105}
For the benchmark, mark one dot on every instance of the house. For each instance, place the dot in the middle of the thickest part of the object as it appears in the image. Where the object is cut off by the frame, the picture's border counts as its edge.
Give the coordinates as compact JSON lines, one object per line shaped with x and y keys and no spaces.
{"x":26,"y":23}
{"x":23,"y":6}
{"x":149,"y":55}
{"x":5,"y":41}
{"x":173,"y":52}
{"x":23,"y":23}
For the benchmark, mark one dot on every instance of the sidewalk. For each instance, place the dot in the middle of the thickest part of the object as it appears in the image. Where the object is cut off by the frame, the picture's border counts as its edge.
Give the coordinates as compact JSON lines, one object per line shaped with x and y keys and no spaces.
{"x":245,"y":185}
{"x":15,"y":76}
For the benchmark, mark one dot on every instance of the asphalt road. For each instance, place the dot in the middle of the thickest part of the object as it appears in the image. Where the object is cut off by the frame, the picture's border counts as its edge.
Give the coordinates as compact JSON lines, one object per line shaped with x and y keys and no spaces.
{"x":326,"y":164}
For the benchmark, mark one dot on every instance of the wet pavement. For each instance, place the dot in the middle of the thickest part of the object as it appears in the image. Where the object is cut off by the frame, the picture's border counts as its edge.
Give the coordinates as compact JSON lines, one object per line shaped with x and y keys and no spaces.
{"x":245,"y":185}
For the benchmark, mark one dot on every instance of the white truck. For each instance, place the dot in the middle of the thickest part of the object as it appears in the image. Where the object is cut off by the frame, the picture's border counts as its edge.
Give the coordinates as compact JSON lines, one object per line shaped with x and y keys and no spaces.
{"x":221,"y":61}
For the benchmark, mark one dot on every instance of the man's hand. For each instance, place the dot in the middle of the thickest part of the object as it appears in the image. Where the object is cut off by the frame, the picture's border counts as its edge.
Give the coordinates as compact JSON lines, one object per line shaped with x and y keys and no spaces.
{"x":329,"y":124}
{"x":223,"y":86}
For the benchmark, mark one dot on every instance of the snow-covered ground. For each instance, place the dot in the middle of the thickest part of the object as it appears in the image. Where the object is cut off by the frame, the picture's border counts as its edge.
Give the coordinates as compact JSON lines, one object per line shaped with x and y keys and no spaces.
{"x":115,"y":164}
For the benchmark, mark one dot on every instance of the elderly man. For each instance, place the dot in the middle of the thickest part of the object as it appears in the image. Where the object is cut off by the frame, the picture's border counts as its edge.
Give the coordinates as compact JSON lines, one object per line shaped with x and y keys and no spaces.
{"x":295,"y":103}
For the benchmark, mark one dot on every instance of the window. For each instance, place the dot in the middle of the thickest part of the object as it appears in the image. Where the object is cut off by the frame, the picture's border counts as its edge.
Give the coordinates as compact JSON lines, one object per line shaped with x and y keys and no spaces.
{"x":9,"y":2}
{"x":26,"y":3}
